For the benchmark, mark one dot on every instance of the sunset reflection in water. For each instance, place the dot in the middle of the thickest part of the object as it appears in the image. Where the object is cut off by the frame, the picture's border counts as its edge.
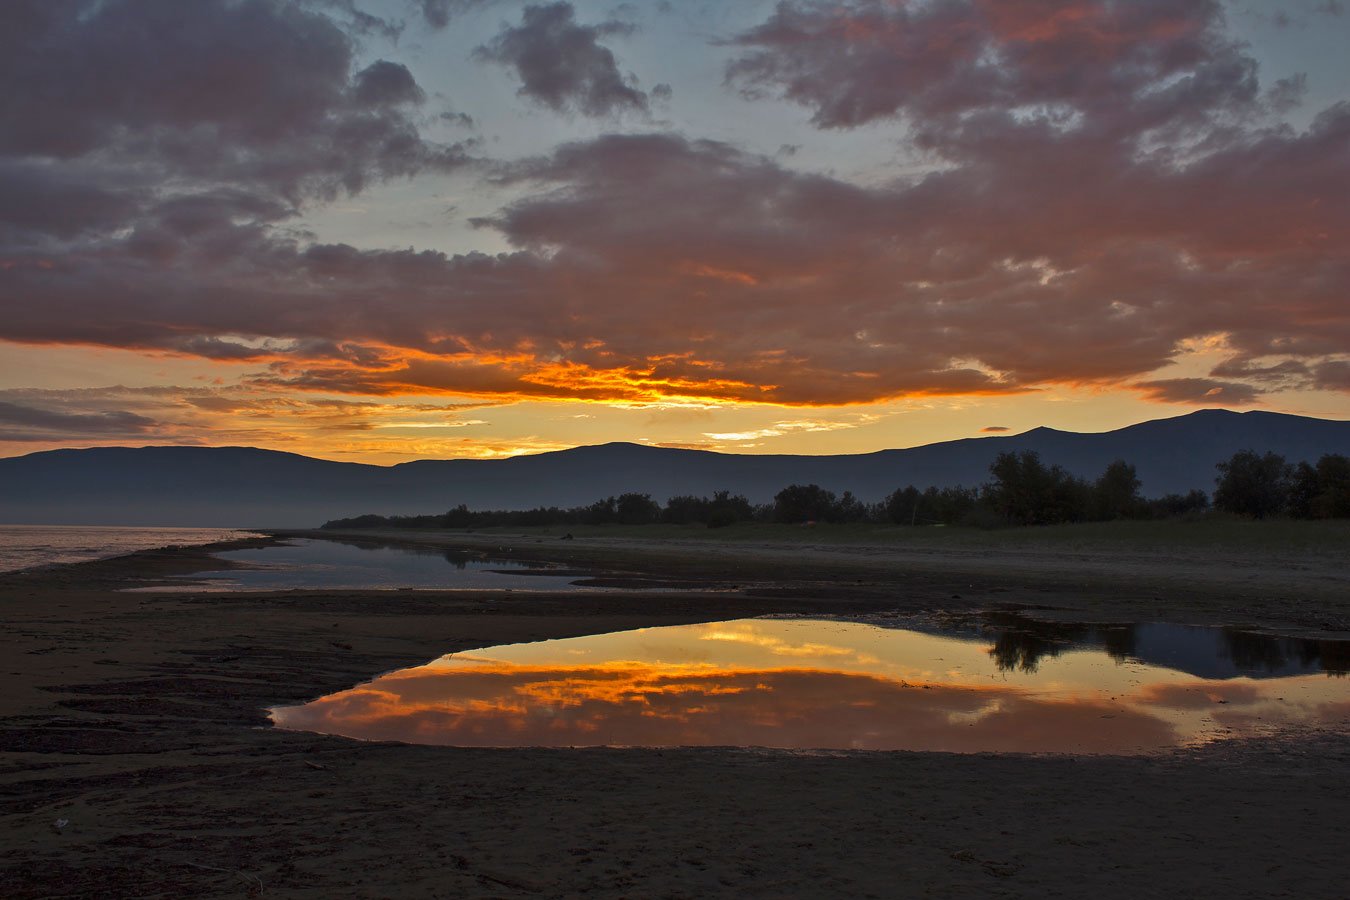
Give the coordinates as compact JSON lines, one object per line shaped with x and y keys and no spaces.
{"x":808,"y":684}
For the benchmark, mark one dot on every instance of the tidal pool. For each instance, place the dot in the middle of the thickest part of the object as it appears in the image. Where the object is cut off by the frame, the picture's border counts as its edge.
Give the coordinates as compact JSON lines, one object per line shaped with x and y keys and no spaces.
{"x":371,"y":565}
{"x":830,"y":684}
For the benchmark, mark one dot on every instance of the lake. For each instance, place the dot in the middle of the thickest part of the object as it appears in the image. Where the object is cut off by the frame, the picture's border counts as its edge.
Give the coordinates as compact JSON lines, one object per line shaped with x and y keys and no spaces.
{"x":831,"y":684}
{"x":26,"y":546}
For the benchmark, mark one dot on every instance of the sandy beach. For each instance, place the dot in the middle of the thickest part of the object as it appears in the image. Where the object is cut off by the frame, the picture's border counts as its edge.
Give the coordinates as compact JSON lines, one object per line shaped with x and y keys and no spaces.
{"x":138,"y":759}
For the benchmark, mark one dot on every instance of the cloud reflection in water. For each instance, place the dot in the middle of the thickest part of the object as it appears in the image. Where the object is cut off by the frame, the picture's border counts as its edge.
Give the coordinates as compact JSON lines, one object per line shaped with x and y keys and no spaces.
{"x":803,"y":684}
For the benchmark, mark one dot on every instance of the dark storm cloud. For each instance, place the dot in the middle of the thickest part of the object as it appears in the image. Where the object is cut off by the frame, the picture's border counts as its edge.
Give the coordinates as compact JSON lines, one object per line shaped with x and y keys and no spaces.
{"x":562,"y":64}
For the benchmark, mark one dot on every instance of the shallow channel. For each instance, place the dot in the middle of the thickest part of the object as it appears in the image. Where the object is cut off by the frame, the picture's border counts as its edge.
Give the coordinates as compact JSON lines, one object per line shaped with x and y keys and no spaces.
{"x":832,"y":684}
{"x":304,"y":563}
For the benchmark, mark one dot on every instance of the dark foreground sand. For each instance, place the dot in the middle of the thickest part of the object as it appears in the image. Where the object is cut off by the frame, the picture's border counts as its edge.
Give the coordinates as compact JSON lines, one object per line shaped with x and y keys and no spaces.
{"x":136,"y":719}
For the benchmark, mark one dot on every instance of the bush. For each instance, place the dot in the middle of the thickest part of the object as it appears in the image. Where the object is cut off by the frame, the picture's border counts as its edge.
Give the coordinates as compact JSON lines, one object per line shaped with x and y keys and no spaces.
{"x":721,"y":518}
{"x":1176,"y":506}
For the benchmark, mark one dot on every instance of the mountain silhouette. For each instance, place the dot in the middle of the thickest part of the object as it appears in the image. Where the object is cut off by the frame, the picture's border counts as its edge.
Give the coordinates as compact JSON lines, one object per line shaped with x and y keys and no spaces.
{"x":249,"y":487}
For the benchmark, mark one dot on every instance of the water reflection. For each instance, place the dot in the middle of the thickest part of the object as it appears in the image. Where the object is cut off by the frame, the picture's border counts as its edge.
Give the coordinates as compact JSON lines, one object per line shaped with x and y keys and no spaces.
{"x":361,"y":565}
{"x":461,"y":559}
{"x":813,"y":684}
{"x":1021,"y":644}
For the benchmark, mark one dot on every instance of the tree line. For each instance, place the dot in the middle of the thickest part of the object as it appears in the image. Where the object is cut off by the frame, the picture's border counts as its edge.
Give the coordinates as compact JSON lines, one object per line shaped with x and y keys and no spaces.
{"x":1262,"y":486}
{"x":721,"y":509}
{"x":1022,"y":490}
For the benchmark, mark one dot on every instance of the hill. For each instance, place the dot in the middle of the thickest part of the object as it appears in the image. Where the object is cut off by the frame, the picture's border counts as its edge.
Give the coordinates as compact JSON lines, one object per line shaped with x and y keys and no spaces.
{"x":243,"y":486}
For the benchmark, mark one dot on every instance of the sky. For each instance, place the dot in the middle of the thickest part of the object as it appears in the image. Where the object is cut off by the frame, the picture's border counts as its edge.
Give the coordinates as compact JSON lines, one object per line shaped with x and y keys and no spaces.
{"x":383,"y":230}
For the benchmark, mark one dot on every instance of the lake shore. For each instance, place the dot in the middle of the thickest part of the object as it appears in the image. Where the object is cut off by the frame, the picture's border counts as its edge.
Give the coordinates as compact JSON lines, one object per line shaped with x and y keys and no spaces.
{"x":137,"y":719}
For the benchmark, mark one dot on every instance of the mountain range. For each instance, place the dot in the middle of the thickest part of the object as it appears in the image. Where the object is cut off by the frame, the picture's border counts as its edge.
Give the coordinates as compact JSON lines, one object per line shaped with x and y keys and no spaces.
{"x":250,"y":487}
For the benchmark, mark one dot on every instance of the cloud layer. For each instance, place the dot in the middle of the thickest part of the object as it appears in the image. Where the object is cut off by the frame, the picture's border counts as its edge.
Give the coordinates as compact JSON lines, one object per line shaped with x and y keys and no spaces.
{"x":1104,"y":182}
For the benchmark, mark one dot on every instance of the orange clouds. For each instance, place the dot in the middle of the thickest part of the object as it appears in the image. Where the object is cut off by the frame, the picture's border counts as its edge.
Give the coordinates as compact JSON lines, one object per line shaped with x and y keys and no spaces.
{"x":841,"y":684}
{"x":640,"y":705}
{"x":808,"y":291}
{"x":1102,"y":182}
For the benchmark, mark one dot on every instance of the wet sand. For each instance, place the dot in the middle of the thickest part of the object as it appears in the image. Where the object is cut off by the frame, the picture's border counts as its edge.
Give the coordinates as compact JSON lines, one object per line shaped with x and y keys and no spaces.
{"x":137,"y":719}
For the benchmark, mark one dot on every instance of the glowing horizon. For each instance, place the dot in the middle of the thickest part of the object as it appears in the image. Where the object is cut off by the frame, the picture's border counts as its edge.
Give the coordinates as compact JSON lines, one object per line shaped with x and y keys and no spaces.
{"x":405,"y":230}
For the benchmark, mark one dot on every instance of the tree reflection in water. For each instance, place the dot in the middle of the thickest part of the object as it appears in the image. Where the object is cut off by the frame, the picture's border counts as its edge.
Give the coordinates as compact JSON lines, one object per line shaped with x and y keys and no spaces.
{"x":1020,"y":644}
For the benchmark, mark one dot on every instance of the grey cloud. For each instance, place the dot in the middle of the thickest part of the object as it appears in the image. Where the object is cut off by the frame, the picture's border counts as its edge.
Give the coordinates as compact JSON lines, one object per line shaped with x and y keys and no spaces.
{"x":438,"y":13}
{"x":1199,"y":391}
{"x":358,"y":20}
{"x":39,"y":199}
{"x":1287,"y":93}
{"x":1295,"y":13}
{"x":385,"y":83}
{"x":1333,"y":375}
{"x":562,"y":64}
{"x":463,"y":120}
{"x":257,"y":94}
{"x":29,"y":423}
{"x":1106,"y":69}
{"x":1284,"y":375}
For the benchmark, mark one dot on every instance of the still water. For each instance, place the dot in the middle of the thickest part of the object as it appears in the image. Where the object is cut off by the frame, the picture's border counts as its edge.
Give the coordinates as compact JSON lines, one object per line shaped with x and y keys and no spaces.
{"x":26,"y":546}
{"x":829,"y":684}
{"x":367,"y":565}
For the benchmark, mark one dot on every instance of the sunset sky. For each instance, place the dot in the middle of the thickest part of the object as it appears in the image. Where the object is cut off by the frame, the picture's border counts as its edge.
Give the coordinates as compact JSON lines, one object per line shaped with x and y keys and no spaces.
{"x":380,"y":230}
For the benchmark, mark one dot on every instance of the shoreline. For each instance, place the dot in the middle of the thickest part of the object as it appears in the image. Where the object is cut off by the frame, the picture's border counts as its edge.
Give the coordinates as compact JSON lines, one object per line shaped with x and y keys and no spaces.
{"x":1298,"y":593}
{"x":140,"y":720}
{"x":45,"y":547}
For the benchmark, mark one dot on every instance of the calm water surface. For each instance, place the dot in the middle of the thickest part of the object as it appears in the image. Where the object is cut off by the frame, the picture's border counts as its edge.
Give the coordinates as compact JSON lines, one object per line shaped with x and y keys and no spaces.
{"x":801,"y":683}
{"x":25,"y":546}
{"x":364,"y":565}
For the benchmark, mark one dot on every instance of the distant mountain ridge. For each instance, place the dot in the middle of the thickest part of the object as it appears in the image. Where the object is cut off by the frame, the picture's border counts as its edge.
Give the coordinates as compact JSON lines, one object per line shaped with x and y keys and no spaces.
{"x":246,"y":486}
